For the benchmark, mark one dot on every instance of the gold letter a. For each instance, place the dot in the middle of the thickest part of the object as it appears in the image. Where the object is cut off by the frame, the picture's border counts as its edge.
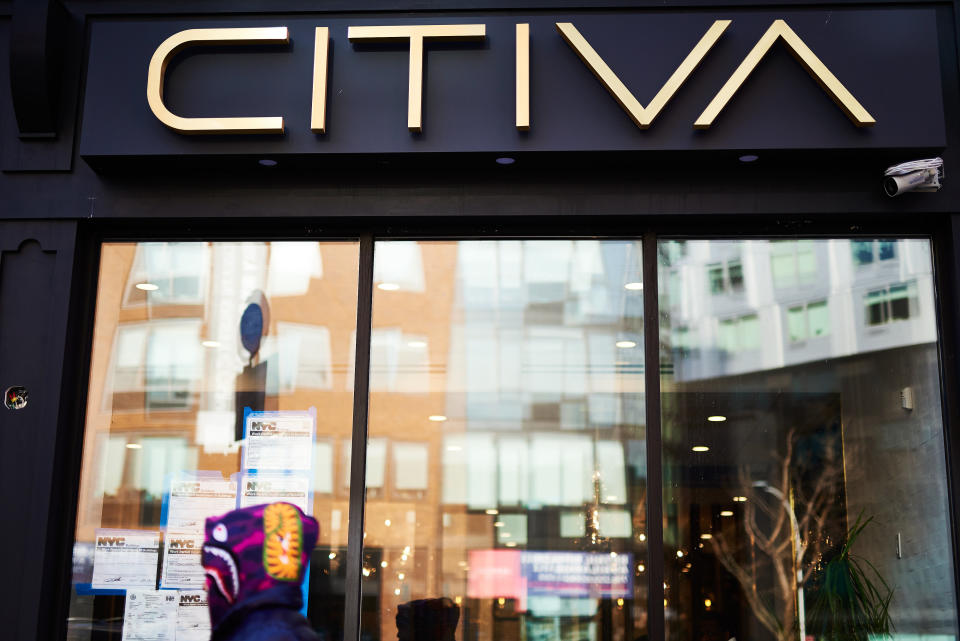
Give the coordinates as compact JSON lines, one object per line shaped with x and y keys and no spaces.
{"x":827,"y":81}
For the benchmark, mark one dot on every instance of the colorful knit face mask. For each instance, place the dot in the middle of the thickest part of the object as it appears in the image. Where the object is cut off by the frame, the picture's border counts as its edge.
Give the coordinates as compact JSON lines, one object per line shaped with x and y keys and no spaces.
{"x":251,"y":551}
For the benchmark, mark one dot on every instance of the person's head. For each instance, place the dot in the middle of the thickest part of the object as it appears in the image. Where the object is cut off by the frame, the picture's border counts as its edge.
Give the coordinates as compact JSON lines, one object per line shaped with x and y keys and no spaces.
{"x":427,"y":620}
{"x":255,"y":549}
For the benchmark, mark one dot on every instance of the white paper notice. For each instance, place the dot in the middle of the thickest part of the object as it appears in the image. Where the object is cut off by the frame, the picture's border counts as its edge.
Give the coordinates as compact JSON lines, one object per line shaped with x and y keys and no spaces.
{"x":125,"y":559}
{"x":278,"y":441}
{"x":192,"y":501}
{"x":193,"y":616}
{"x":150,"y":615}
{"x":181,"y":560}
{"x":257,"y":489}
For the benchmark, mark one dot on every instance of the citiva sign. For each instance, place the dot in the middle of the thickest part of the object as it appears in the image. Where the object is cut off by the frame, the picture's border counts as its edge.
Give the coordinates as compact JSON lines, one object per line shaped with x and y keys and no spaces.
{"x":417,"y":35}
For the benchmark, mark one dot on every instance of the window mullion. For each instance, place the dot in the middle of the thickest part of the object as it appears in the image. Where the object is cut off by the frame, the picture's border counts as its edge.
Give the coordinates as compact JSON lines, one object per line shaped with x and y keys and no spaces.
{"x":358,"y":456}
{"x":651,"y":357}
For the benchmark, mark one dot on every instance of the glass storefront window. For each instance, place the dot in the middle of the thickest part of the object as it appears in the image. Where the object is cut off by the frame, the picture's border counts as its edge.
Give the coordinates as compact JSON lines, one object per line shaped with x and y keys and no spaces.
{"x":173,"y":366}
{"x":515,"y":506}
{"x":505,"y":495}
{"x":812,"y":463}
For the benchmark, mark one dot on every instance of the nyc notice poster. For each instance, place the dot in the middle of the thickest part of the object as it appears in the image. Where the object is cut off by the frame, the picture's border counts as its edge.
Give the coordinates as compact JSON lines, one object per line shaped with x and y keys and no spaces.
{"x":150,"y":615}
{"x":181,"y":560}
{"x":124,"y":559}
{"x":279,"y":441}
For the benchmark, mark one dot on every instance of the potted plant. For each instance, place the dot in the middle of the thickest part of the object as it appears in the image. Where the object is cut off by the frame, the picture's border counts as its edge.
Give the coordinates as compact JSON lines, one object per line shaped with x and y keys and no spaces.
{"x":852,"y":600}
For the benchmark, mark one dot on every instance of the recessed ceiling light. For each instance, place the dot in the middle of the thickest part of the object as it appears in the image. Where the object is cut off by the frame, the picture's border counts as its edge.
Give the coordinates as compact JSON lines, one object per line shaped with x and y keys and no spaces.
{"x":388,"y":287}
{"x":739,"y":499}
{"x":134,"y":446}
{"x":505,"y":160}
{"x":633,"y":286}
{"x":716,"y":419}
{"x":626,"y":344}
{"x":210,"y":343}
{"x":700,"y":448}
{"x":493,"y":511}
{"x":749,"y":157}
{"x":706,"y":536}
{"x":437,"y":418}
{"x":726,"y":512}
{"x":147,"y":287}
{"x":267,"y":162}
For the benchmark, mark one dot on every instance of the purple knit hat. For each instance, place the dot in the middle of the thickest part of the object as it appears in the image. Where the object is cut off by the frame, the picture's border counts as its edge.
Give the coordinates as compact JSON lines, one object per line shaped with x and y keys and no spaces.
{"x":256,"y":554}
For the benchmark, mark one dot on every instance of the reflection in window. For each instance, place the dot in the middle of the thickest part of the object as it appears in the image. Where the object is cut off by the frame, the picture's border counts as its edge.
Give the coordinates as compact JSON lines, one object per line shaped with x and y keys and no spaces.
{"x":398,"y":361}
{"x":406,"y":267}
{"x":170,"y":384}
{"x":739,"y":334}
{"x":808,"y":321}
{"x":726,"y":277}
{"x":173,"y":365}
{"x":157,"y":365}
{"x":715,"y":276}
{"x":684,"y":341}
{"x":292,"y":266}
{"x":891,"y":303}
{"x":735,"y":272}
{"x":411,"y":463}
{"x":482,"y":471}
{"x":865,"y":252}
{"x":773,"y":463}
{"x":517,"y":440}
{"x":376,"y":472}
{"x":167,"y":273}
{"x":792,"y":263}
{"x":303,"y":357}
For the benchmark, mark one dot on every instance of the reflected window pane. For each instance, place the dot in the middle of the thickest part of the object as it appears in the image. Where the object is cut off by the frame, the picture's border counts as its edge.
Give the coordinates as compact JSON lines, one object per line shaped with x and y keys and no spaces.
{"x":818,"y":317}
{"x":862,"y":251}
{"x":797,"y":324}
{"x":887,"y":249}
{"x":715,"y":275}
{"x":775,"y":459}
{"x":735,"y":270}
{"x":517,"y":474}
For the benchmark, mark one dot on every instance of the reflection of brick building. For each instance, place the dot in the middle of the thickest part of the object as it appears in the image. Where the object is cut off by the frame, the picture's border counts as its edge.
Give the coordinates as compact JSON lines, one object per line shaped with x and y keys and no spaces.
{"x":493,"y":440}
{"x":165,"y":365}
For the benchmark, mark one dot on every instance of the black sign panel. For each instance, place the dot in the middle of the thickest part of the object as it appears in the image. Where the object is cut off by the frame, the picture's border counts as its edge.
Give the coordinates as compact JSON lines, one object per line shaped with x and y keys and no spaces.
{"x":887,"y":58}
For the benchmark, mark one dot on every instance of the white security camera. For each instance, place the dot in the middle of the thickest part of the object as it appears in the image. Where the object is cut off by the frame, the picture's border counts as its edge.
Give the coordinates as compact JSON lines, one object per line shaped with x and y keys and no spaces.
{"x":916,"y":175}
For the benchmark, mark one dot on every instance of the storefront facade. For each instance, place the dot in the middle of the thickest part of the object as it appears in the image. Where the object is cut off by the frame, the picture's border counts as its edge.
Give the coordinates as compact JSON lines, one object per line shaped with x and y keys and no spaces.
{"x":591,"y":319}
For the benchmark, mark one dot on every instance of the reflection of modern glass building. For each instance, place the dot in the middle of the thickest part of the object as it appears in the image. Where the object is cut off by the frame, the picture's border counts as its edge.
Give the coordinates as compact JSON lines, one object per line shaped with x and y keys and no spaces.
{"x":561,"y":364}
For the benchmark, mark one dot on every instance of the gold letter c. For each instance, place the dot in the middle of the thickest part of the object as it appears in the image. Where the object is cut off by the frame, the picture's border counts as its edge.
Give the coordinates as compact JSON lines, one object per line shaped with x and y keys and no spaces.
{"x":198,"y":37}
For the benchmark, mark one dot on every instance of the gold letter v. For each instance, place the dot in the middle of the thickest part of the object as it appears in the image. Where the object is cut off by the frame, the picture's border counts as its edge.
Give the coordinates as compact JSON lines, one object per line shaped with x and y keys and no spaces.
{"x":640,"y":115}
